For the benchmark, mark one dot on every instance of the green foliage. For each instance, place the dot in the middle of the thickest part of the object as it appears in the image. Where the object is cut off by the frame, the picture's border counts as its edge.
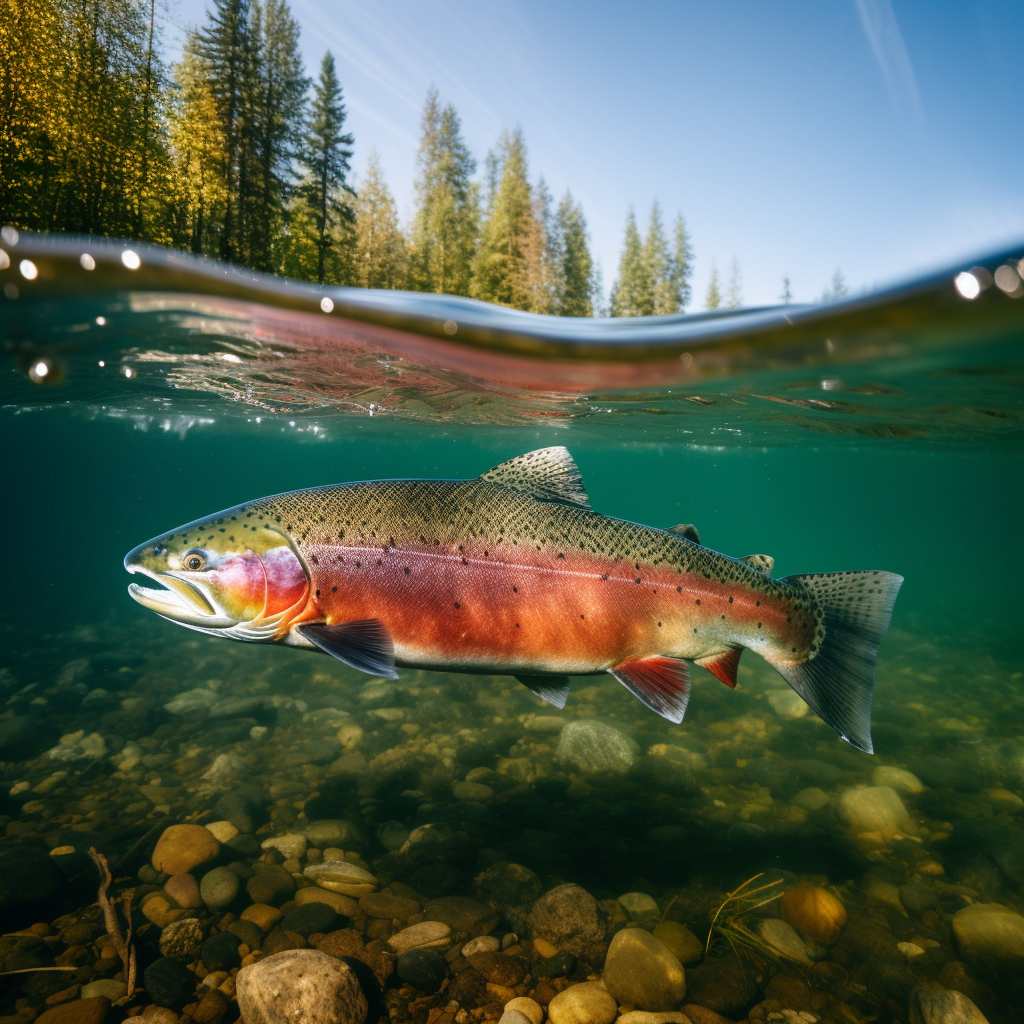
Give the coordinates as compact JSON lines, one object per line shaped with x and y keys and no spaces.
{"x":734,"y":296}
{"x":445,"y":224}
{"x":713,"y":296}
{"x":575,"y":284}
{"x":325,"y":191}
{"x":786,"y":296}
{"x":654,"y":278}
{"x":380,"y":258}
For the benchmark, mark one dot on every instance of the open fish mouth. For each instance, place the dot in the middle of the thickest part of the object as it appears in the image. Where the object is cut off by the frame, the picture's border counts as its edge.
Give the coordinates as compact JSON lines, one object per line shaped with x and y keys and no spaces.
{"x":183,"y":601}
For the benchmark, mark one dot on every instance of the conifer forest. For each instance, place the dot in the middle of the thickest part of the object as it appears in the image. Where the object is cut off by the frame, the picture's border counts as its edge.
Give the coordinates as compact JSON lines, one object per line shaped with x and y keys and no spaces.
{"x":235,"y":152}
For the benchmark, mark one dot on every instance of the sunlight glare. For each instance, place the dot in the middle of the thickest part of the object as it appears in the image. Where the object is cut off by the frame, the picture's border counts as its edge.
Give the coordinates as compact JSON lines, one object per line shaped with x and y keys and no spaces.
{"x":131,"y":259}
{"x":29,"y":270}
{"x":88,"y":263}
{"x":967,"y":285}
{"x":326,"y":304}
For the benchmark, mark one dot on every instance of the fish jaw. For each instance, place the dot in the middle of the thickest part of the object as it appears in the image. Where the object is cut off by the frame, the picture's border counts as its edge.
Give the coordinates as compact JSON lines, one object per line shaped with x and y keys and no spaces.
{"x":225,"y":575}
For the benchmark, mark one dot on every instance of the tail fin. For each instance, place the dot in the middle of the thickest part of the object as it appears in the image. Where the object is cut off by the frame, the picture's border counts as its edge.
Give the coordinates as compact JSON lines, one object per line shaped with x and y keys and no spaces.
{"x":837,"y":682}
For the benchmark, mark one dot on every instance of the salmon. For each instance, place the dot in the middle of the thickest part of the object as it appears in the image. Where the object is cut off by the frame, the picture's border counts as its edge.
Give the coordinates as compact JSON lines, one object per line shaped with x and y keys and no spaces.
{"x":513,"y":573}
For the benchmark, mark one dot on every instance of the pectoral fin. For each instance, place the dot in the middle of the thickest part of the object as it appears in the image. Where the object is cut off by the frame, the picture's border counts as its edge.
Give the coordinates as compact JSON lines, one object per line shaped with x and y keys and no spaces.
{"x":553,"y":689}
{"x":364,"y":644}
{"x":663,"y":684}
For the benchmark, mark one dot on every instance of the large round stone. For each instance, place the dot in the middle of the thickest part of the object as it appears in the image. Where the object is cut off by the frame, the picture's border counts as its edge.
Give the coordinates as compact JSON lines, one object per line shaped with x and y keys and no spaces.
{"x":873,"y":809}
{"x":591,"y":747}
{"x":989,"y":932}
{"x":567,"y":917}
{"x":219,"y":887}
{"x":586,"y":1003}
{"x":644,"y":972}
{"x":169,"y":982}
{"x":424,"y":969}
{"x":300,"y":985}
{"x":181,"y":848}
{"x":341,"y":876}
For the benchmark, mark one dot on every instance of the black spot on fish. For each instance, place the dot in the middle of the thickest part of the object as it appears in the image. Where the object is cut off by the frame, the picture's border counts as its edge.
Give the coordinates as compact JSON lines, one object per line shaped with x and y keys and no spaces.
{"x":697,"y":601}
{"x":334,"y":590}
{"x":318,"y":593}
{"x":406,"y":570}
{"x":457,"y":605}
{"x":723,"y":616}
{"x":359,"y":565}
{"x":759,"y":625}
{"x":730,"y":600}
{"x":515,"y":590}
{"x":638,"y":579}
{"x":314,"y":559}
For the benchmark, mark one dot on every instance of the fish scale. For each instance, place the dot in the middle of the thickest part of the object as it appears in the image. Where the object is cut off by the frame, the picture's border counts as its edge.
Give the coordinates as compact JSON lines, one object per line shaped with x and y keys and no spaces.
{"x":514,"y":573}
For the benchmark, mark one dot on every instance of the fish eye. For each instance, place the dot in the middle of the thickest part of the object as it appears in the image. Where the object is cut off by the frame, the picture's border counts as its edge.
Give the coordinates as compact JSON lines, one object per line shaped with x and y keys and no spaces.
{"x":194,"y":561}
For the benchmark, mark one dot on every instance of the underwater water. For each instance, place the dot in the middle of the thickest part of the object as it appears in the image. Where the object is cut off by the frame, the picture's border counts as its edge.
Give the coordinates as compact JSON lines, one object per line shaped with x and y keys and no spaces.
{"x":881,"y":433}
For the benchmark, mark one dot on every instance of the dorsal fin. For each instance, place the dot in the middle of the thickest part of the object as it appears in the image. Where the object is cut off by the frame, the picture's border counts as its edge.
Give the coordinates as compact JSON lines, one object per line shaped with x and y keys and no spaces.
{"x":548,"y":474}
{"x":687,"y":530}
{"x":762,"y":563}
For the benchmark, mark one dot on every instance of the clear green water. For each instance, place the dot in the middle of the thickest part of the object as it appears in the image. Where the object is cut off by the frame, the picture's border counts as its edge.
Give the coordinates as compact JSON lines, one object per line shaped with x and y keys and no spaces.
{"x":900,"y":451}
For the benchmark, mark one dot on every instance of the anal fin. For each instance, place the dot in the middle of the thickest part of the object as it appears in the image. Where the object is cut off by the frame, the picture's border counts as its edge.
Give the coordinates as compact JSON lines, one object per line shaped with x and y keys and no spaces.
{"x":723,"y":665}
{"x":364,"y":644}
{"x":553,"y":689}
{"x":662,"y":683}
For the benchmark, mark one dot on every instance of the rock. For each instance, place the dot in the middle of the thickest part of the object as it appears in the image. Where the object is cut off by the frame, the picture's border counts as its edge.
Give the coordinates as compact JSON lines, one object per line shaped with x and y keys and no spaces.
{"x":222,"y":831}
{"x":810,"y":799}
{"x":942,"y":771}
{"x":646,"y":1017}
{"x":184,"y":890}
{"x":341,"y":876}
{"x":897,"y":778}
{"x":702,"y":1015}
{"x":78,"y":1011}
{"x":586,"y":1003}
{"x":424,"y":969}
{"x":220,"y":952}
{"x":812,"y":911}
{"x":529,"y":1008}
{"x":940,"y":1006}
{"x":169,"y":982}
{"x":271,"y":884}
{"x":557,"y":965}
{"x":311,"y":918}
{"x":910,"y":949}
{"x":219,"y":887}
{"x":513,"y":1017}
{"x":498,"y":968}
{"x":104,"y":988}
{"x":287,"y":845}
{"x":387,"y":907}
{"x":248,"y":932}
{"x":243,"y":807}
{"x":472,"y":792}
{"x":642,"y":909}
{"x":642,"y":971}
{"x":685,"y":946}
{"x":986,"y":932}
{"x":591,"y":747}
{"x":873,"y":809}
{"x":787,"y":704}
{"x":262,"y":915}
{"x":425,"y":935}
{"x":156,"y":907}
{"x":508,"y":885}
{"x":481,"y":944}
{"x":720,"y":984}
{"x":392,"y":835}
{"x":567,"y":917}
{"x":326,"y":832}
{"x":916,"y":897}
{"x":340,"y":904}
{"x":191,"y":701}
{"x":155,"y":1015}
{"x":462,"y":914}
{"x":212,"y":1008}
{"x":181,"y":848}
{"x":181,"y":938}
{"x":300,"y":984}
{"x":435,"y":841}
{"x":1004,"y":800}
{"x":783,"y":938}
{"x":29,"y":880}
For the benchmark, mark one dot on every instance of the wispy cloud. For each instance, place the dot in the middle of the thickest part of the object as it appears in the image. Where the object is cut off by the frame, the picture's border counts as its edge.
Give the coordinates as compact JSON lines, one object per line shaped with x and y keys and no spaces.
{"x":883,"y":31}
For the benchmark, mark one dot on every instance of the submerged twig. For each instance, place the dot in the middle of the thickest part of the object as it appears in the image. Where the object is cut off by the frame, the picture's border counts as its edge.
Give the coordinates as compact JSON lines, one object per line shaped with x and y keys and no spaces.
{"x":123,"y":944}
{"x":32,"y":970}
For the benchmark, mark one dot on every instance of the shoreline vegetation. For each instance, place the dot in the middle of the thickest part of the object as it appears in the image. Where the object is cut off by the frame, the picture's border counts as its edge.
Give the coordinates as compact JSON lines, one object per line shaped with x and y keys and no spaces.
{"x":233,"y":152}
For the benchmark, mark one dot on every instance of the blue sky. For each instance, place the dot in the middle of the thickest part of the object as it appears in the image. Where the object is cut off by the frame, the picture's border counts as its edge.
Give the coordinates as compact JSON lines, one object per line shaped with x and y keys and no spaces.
{"x":879,"y":137}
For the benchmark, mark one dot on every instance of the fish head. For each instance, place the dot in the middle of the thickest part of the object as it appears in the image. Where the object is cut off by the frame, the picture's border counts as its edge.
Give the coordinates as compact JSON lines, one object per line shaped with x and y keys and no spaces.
{"x":229,"y":575}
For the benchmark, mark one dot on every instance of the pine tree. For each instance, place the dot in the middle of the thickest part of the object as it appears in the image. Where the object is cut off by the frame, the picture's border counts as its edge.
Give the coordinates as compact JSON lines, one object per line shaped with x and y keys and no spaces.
{"x":734,"y":297}
{"x":540,"y":254}
{"x":501,"y":272}
{"x":198,"y":153}
{"x":380,"y":253}
{"x":445,"y":224}
{"x":575,"y":274}
{"x":787,"y":293}
{"x":324,"y":192}
{"x":713,"y":298}
{"x":631,"y":286}
{"x":837,"y":289}
{"x":276,"y":115}
{"x":227,"y":49}
{"x":656,"y":295}
{"x":680,"y":267}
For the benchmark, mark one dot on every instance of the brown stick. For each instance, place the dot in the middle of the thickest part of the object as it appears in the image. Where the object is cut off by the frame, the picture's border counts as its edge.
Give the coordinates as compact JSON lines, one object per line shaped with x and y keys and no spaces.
{"x":124,"y":949}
